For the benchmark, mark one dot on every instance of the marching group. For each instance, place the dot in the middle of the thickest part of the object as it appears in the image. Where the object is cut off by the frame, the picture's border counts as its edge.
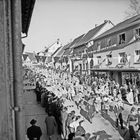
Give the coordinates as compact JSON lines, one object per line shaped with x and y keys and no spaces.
{"x":96,"y":95}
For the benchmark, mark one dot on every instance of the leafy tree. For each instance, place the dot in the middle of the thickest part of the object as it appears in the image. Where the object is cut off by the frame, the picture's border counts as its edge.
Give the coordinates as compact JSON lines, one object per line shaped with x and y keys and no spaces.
{"x":134,"y":8}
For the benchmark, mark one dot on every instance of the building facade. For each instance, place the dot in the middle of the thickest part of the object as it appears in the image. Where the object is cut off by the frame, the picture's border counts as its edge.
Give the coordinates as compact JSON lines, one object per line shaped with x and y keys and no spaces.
{"x":15,"y":19}
{"x":117,"y":52}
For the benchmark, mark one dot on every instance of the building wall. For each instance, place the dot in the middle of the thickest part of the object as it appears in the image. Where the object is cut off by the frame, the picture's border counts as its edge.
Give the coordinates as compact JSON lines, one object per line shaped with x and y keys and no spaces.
{"x":129,"y":50}
{"x":11,"y":124}
{"x":129,"y":34}
{"x":4,"y":135}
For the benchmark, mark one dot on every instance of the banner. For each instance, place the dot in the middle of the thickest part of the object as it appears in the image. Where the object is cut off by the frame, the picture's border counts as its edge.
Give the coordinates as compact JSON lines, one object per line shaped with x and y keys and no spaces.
{"x":29,"y":84}
{"x":25,"y":56}
{"x":28,"y":79}
{"x":43,"y":58}
{"x":37,"y":58}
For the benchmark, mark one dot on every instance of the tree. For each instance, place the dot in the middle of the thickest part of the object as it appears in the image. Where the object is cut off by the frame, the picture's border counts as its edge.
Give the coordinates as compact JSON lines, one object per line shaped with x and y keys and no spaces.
{"x":134,"y":8}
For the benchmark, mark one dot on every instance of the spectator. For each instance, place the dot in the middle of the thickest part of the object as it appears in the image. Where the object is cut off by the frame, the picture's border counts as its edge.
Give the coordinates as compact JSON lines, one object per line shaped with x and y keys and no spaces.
{"x":131,"y":120}
{"x":34,"y":132}
{"x":51,"y":126}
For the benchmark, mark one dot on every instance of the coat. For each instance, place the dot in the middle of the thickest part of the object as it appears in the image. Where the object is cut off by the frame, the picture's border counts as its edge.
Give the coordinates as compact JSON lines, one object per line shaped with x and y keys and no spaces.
{"x":51,"y":125}
{"x":34,"y":132}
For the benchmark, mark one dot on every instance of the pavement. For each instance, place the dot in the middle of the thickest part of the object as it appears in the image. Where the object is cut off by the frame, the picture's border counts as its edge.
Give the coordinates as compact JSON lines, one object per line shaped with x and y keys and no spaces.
{"x":33,"y":110}
{"x":103,"y":126}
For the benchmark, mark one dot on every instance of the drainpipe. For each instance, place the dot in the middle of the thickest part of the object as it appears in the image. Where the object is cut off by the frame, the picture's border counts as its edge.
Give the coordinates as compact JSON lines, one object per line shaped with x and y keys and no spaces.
{"x":17,"y":69}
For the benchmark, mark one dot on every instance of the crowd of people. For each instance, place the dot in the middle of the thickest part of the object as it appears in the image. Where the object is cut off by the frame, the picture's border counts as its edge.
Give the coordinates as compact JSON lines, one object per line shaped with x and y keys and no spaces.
{"x":96,"y":95}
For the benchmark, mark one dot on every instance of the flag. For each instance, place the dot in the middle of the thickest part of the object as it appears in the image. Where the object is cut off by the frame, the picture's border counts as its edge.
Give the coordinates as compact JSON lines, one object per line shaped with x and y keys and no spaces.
{"x":25,"y":56}
{"x":43,"y":58}
{"x":37,"y":58}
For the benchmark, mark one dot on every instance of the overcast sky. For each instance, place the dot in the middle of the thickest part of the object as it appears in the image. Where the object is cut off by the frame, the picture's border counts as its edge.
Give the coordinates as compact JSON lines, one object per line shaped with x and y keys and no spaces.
{"x":67,"y":19}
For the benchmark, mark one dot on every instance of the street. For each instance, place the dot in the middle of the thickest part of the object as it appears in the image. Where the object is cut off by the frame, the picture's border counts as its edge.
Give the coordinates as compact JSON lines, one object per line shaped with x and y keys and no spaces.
{"x":103,"y":126}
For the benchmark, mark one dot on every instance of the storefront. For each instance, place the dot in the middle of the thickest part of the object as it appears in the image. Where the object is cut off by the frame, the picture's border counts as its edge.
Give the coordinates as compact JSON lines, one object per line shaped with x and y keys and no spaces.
{"x":131,"y":77}
{"x":120,"y":75}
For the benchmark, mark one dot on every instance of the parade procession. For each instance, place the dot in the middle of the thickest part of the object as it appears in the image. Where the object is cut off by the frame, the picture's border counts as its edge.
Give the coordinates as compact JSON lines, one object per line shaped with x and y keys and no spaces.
{"x":87,"y":92}
{"x":70,"y":70}
{"x":75,"y":105}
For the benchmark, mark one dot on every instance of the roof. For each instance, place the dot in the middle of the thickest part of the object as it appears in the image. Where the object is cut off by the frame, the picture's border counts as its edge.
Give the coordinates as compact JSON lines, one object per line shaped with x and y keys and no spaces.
{"x":123,"y":25}
{"x":31,"y":56}
{"x":56,"y":51}
{"x":76,"y":40}
{"x":61,"y":51}
{"x":27,"y":9}
{"x":90,"y":34}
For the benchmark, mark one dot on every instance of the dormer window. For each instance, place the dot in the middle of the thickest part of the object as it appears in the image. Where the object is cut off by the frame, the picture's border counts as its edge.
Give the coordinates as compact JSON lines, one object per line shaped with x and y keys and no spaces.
{"x":109,"y":42}
{"x":90,"y":43}
{"x":137,"y":34}
{"x":98,"y":46}
{"x":122,"y":38}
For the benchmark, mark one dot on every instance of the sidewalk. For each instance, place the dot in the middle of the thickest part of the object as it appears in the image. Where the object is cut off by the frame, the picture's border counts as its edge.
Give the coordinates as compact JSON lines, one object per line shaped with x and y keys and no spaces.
{"x":34,"y":111}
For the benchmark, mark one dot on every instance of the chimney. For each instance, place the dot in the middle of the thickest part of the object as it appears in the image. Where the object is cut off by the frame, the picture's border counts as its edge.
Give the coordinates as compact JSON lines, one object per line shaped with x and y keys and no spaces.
{"x":105,"y":21}
{"x":96,"y":25}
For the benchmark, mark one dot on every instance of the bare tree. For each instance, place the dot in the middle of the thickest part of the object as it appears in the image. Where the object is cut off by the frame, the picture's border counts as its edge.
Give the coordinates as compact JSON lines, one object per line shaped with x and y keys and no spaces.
{"x":134,"y":8}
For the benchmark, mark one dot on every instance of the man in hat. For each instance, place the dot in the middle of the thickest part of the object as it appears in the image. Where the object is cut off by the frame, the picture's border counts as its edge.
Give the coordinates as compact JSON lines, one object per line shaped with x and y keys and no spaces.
{"x":34,"y":132}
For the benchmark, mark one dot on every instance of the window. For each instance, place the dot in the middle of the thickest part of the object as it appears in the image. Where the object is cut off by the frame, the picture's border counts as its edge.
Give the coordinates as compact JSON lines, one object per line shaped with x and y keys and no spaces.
{"x":108,"y":59}
{"x":83,"y":66}
{"x":123,"y":58}
{"x":90,"y":43}
{"x":80,"y":67}
{"x":87,"y":66}
{"x":122,"y":38}
{"x":91,"y":63}
{"x":98,"y":59}
{"x":137,"y":56}
{"x":98,"y":46}
{"x":137,"y":34}
{"x":109,"y":42}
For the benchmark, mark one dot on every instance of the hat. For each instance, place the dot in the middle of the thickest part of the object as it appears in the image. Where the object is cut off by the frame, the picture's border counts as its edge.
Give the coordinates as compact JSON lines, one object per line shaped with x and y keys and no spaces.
{"x":33,"y":121}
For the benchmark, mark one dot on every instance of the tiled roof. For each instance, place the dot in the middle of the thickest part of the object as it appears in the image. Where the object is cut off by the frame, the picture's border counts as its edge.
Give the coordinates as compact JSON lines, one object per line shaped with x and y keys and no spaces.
{"x":31,"y":56}
{"x":75,"y":41}
{"x":61,"y":51}
{"x":66,"y":52}
{"x":123,"y":25}
{"x":71,"y":45}
{"x":56,"y":51}
{"x":89,"y":35}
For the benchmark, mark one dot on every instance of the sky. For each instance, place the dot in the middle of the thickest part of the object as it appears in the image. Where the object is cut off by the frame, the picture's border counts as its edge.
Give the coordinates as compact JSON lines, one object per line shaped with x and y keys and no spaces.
{"x":68,"y":19}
